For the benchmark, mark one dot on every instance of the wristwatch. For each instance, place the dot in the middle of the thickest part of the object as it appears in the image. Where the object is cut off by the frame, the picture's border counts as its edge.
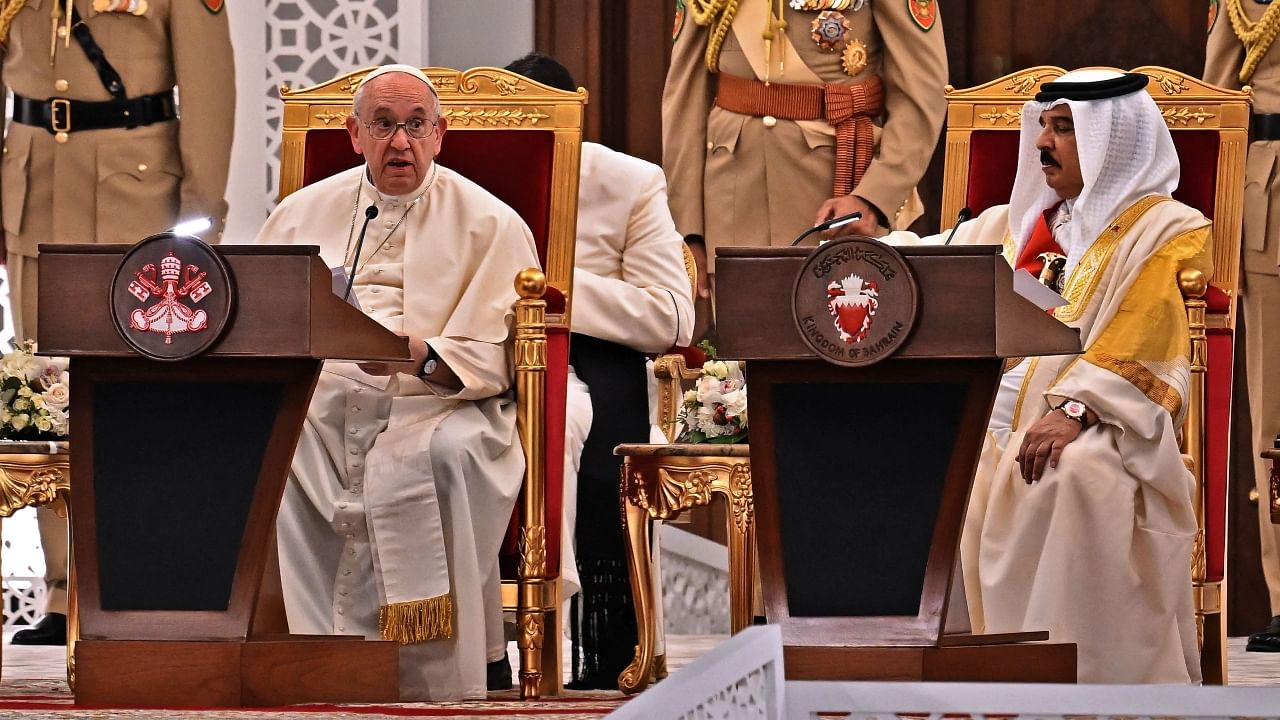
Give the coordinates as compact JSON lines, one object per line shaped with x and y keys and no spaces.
{"x":429,"y":365}
{"x":1076,"y":410}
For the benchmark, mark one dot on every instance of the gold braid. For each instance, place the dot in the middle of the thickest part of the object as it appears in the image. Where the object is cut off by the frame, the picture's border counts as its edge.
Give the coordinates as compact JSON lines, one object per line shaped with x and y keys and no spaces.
{"x":720,"y":12}
{"x":8,"y":12}
{"x":1256,"y":36}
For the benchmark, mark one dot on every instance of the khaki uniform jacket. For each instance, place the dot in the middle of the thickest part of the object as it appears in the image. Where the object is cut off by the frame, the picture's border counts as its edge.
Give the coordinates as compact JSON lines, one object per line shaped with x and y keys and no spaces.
{"x":737,"y":181}
{"x":119,"y":185}
{"x":1224,"y":55}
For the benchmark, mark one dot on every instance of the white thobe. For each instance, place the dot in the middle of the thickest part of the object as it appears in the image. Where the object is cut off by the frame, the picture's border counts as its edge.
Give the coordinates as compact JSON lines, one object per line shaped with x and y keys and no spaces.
{"x":393,"y":475}
{"x":1097,"y":551}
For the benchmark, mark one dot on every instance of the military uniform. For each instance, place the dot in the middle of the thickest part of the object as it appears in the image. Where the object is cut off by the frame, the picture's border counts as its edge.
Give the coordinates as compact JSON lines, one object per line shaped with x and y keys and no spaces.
{"x":861,"y":81}
{"x":62,"y":181}
{"x":1228,"y":63}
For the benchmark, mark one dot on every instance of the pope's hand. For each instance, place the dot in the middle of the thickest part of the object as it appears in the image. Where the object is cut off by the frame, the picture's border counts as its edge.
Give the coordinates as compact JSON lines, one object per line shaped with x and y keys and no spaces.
{"x":1043,"y":444}
{"x":843,"y":205}
{"x":417,"y":348}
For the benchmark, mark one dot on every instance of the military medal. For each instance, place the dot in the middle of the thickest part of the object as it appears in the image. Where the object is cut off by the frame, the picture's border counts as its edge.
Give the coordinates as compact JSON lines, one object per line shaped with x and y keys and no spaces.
{"x":854,"y":5}
{"x":829,"y":29}
{"x":133,"y":7}
{"x":855,"y":57}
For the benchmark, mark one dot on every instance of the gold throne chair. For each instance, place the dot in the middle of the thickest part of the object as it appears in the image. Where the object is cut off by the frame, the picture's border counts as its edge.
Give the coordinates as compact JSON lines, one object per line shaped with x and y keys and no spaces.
{"x":521,"y":141}
{"x":1210,"y":127}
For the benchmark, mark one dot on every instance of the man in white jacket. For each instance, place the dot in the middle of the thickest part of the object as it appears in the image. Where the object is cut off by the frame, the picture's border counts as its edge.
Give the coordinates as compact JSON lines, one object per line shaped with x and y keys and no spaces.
{"x":631,"y":297}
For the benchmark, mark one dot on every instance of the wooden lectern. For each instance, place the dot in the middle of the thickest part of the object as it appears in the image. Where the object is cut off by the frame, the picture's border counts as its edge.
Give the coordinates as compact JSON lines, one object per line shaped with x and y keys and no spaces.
{"x":862,"y":474}
{"x":179,"y":468}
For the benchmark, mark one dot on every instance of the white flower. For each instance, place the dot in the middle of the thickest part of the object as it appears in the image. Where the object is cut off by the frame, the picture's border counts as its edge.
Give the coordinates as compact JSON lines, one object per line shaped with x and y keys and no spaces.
{"x":43,"y":424}
{"x":58,"y":395}
{"x":691,"y":397}
{"x":708,"y":390}
{"x":21,"y":404}
{"x":716,"y":369}
{"x":24,"y":391}
{"x":20,"y":421}
{"x":37,"y":402}
{"x":59,"y":422}
{"x":735,"y":402}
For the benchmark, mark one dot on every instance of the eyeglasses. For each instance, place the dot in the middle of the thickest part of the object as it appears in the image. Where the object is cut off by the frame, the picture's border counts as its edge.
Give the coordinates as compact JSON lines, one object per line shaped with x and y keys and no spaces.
{"x":383,"y":129}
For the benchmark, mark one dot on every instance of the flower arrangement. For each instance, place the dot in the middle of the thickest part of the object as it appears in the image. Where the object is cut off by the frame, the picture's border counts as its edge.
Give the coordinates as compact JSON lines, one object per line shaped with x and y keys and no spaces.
{"x":34,"y":395}
{"x":715,"y":410}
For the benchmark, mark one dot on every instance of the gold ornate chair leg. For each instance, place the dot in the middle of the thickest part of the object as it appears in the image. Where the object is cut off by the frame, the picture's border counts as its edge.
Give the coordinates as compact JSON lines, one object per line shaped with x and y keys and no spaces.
{"x":636,"y":519}
{"x":532,"y":622}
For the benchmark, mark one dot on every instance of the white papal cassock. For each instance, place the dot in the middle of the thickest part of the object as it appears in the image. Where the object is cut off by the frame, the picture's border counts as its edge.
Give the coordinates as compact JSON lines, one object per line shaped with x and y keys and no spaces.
{"x":400,"y":491}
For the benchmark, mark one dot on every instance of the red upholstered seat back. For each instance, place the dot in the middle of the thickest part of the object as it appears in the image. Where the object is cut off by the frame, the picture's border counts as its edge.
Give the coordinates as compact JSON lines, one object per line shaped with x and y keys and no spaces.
{"x":993,"y":161}
{"x":514,"y":165}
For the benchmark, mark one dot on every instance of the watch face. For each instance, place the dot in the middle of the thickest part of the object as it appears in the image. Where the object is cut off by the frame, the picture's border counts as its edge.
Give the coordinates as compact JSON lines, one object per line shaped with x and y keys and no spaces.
{"x":429,"y":367}
{"x":1073,"y":408}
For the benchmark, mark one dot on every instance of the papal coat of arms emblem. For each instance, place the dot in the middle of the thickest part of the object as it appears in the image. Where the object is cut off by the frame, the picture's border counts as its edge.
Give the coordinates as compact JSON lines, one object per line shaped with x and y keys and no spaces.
{"x":854,"y":301}
{"x":169,"y":314}
{"x":171,"y":297}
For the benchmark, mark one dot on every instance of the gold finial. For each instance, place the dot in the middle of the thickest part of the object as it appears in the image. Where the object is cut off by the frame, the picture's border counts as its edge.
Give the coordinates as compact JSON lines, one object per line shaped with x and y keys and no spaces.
{"x":531,"y":283}
{"x":1192,"y":282}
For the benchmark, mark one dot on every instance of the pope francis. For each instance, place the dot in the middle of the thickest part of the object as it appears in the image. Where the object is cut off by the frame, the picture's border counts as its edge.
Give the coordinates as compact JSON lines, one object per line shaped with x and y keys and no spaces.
{"x":406,"y":474}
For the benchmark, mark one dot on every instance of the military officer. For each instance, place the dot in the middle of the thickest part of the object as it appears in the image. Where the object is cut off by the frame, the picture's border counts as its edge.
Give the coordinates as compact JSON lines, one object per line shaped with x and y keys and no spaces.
{"x":96,"y":154}
{"x":1240,"y":52}
{"x":777,"y":111}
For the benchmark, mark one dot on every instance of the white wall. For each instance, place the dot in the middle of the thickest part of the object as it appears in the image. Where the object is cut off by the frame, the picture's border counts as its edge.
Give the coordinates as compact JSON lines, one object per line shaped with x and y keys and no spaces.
{"x":471,"y":33}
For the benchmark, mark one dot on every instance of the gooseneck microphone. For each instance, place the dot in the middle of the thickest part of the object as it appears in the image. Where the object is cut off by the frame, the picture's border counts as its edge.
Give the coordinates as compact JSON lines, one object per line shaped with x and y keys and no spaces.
{"x":831,"y":224}
{"x":370,"y":213}
{"x":961,"y":217}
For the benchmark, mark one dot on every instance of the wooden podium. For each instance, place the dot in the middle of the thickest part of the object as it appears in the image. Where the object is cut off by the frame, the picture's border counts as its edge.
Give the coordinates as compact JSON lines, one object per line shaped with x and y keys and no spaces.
{"x":179,"y":469}
{"x":862,"y":474}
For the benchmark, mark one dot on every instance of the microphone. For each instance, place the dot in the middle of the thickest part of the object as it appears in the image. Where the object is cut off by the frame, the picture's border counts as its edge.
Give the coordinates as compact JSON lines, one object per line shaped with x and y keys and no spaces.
{"x":961,"y":217}
{"x":370,"y":213}
{"x":828,"y":225}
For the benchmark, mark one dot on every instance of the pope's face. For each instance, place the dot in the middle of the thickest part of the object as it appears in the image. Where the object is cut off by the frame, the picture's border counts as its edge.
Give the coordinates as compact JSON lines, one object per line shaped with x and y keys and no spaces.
{"x":397,"y":164}
{"x":1059,"y":157}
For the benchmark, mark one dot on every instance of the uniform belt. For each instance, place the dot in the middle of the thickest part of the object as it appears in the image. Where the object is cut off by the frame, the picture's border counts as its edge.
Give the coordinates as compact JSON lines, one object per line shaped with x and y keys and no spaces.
{"x":850,"y":108}
{"x":62,"y":115}
{"x":1266,"y":126}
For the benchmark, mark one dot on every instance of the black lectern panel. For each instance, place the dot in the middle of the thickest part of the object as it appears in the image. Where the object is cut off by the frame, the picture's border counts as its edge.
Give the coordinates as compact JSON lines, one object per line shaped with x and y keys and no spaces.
{"x":170,"y":534}
{"x":859,"y":484}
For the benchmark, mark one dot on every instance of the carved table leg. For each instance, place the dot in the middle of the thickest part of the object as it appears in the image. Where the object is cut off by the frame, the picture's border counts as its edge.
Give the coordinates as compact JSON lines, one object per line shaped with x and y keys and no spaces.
{"x":742,"y":543}
{"x":636,"y":676}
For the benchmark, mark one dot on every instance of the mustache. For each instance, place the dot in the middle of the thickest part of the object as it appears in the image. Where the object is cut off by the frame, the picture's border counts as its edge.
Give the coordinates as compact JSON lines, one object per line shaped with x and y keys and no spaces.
{"x":1047,"y":159}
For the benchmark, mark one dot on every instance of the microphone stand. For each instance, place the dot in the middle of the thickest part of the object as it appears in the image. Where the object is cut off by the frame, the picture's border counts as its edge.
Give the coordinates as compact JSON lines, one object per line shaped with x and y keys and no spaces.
{"x":370,"y":213}
{"x":828,"y":225}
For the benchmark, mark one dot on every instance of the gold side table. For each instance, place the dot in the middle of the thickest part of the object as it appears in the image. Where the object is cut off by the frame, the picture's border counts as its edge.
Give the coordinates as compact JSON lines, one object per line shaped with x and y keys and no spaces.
{"x":34,"y":473}
{"x":658,"y":483}
{"x":1274,"y":456}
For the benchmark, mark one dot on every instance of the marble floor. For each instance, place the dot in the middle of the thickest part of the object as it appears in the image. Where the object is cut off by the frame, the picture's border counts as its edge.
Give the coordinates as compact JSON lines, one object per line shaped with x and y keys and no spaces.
{"x":42,"y":663}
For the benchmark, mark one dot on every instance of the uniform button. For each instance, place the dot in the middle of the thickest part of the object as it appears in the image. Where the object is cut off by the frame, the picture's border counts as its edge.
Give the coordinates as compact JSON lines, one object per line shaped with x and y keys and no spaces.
{"x":352,"y":551}
{"x":769,"y":121}
{"x":62,"y":85}
{"x":355,"y":409}
{"x":142,"y":167}
{"x":378,"y":271}
{"x":340,"y":612}
{"x":346,"y":573}
{"x":358,"y":391}
{"x":61,"y":138}
{"x":343,"y":593}
{"x":355,"y":463}
{"x":342,"y":506}
{"x":353,"y":431}
{"x":350,"y":536}
{"x":710,"y":144}
{"x":62,"y":32}
{"x":389,"y":224}
{"x":342,"y":628}
{"x":345,"y":524}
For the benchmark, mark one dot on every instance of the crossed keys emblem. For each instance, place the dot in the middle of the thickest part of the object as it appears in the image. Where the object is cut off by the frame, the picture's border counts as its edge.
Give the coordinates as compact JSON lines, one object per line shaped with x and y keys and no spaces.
{"x":169,"y":315}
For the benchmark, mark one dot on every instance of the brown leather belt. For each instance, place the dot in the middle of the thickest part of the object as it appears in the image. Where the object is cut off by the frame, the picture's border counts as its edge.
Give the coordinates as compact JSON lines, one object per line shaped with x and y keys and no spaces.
{"x":850,"y":108}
